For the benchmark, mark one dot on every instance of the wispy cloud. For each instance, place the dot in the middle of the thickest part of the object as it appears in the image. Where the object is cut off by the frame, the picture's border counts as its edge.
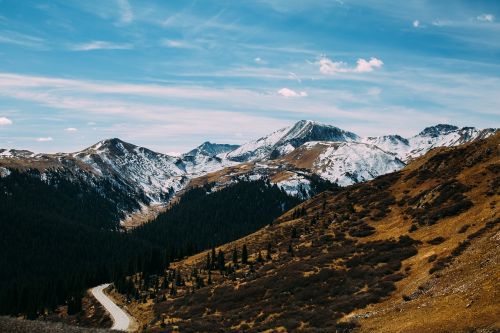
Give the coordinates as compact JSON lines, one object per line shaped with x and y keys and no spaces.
{"x":44,"y":139}
{"x":5,"y":121}
{"x":101,"y":45}
{"x":177,"y":44}
{"x":126,"y":14}
{"x":12,"y":37}
{"x":416,"y":24}
{"x":327,"y":66}
{"x":70,"y":129}
{"x":293,"y":76}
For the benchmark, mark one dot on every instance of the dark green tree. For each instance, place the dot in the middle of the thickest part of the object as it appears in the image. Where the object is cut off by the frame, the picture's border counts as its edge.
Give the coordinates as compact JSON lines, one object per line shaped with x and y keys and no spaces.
{"x":221,"y":265}
{"x":235,"y":256}
{"x":244,"y":255}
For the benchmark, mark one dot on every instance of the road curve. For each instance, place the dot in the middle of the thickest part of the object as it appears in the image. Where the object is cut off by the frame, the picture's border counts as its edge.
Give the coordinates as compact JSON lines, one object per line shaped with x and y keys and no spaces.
{"x":121,"y":321}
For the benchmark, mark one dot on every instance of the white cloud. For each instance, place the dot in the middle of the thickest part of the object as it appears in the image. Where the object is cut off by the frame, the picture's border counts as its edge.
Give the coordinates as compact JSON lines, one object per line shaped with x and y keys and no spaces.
{"x":101,"y":45}
{"x":416,"y":23}
{"x":70,"y":129}
{"x":367,"y":66}
{"x":285,"y":92}
{"x":178,"y":44}
{"x":5,"y":121}
{"x":486,"y":18}
{"x":126,"y":15}
{"x":44,"y":139}
{"x":327,"y":66}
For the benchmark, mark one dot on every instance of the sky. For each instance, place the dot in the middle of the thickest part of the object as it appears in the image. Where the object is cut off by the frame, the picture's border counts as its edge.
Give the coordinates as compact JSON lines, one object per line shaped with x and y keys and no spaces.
{"x":169,"y":75}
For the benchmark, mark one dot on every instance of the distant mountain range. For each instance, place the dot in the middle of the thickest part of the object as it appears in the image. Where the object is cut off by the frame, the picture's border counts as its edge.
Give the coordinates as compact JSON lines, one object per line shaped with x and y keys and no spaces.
{"x":287,"y":157}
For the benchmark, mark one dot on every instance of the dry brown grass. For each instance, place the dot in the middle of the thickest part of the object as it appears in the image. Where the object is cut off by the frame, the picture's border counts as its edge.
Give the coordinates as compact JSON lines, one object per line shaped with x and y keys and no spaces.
{"x":462,"y":297}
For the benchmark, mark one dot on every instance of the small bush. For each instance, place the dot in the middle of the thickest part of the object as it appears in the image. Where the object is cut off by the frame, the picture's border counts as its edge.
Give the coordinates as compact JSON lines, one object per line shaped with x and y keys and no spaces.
{"x":436,"y":241}
{"x":464,"y":228}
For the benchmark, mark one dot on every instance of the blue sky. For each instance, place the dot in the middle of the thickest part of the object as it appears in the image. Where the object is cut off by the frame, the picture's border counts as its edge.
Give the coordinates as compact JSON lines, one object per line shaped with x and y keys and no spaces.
{"x":169,"y":75}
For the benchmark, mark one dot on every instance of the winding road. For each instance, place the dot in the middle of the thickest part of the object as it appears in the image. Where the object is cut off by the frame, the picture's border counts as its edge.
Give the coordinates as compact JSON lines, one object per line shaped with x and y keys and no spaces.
{"x":121,"y":320}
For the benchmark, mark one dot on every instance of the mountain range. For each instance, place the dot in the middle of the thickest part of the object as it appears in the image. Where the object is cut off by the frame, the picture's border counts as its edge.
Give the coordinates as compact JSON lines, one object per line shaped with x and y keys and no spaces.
{"x":288,"y":157}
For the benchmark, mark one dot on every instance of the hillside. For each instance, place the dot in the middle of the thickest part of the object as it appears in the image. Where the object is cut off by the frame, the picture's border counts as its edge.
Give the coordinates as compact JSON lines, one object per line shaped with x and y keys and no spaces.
{"x":411,"y":251}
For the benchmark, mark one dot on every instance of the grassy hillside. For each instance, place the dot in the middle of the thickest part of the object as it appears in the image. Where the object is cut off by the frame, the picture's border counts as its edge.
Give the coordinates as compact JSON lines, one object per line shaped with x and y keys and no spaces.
{"x":412,"y":251}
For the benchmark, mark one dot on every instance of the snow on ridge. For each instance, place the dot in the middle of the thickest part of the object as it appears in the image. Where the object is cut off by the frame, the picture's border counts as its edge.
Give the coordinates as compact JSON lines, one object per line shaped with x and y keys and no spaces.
{"x":346,"y":163}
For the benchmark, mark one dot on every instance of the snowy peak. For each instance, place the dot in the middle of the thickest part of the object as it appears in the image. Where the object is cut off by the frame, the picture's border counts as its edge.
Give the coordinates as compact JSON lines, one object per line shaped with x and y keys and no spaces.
{"x":16,"y":153}
{"x":387,"y":140}
{"x":136,"y":168}
{"x":307,"y":130}
{"x":287,"y":139}
{"x":443,"y":136}
{"x":118,"y":148}
{"x":211,"y":149}
{"x":437,"y":130}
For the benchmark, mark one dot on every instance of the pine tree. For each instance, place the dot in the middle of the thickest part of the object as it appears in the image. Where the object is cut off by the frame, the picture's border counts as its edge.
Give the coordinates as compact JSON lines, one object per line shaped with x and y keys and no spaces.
{"x":269,"y":250}
{"x":294,"y":233}
{"x":244,"y":255}
{"x":290,"y":249}
{"x":209,"y":282}
{"x":178,"y":279}
{"x":209,"y":262}
{"x":75,"y":304}
{"x":214,"y":258}
{"x":220,"y":261}
{"x":235,"y":257}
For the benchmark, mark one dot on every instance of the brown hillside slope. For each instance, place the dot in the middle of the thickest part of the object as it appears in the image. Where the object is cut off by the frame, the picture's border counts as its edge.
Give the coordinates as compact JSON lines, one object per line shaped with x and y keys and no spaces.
{"x":412,"y":251}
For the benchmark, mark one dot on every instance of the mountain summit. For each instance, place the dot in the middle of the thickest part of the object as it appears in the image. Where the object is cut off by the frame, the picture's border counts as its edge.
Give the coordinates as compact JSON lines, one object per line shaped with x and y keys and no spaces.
{"x":439,"y":129}
{"x":287,"y":139}
{"x":211,"y":149}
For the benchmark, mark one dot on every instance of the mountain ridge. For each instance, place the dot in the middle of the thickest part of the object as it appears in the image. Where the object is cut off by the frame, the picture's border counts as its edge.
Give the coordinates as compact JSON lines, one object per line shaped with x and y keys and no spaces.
{"x":335,"y":154}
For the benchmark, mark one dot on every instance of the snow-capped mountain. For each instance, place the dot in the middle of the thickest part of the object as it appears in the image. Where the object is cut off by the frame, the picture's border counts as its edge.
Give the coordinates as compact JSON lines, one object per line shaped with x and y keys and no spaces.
{"x":135,"y":177}
{"x":287,"y":139}
{"x":15,"y":153}
{"x":207,"y":157}
{"x":157,"y":175}
{"x":211,"y":149}
{"x":344,"y":158}
{"x":441,"y":135}
{"x":343,"y":163}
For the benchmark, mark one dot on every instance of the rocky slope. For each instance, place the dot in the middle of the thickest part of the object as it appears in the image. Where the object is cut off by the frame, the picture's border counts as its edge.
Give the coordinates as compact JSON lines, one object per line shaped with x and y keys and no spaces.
{"x":157,"y":175}
{"x":411,"y":251}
